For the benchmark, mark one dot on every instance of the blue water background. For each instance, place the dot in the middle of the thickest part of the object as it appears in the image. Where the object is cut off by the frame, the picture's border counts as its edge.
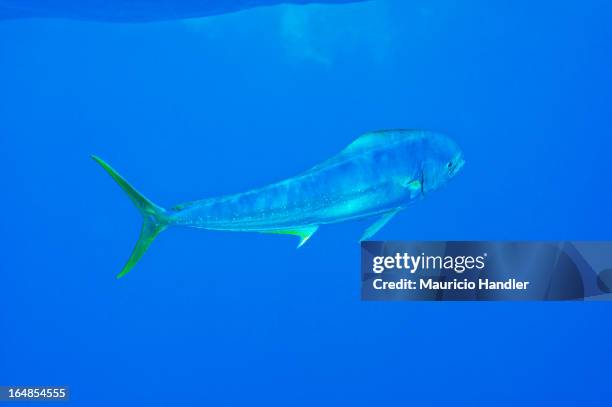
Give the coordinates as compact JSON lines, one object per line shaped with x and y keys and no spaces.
{"x":198,"y":108}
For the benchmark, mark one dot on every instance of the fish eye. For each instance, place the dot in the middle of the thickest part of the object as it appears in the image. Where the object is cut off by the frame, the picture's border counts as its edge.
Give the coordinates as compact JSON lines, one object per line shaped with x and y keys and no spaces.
{"x":449,"y":165}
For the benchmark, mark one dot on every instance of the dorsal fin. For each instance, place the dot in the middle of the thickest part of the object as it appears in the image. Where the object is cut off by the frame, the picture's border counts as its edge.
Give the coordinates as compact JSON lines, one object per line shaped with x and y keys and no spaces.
{"x":374,"y":139}
{"x":367,"y":142}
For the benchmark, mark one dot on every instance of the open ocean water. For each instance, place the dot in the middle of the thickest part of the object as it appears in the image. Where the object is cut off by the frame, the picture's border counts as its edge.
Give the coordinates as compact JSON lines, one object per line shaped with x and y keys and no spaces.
{"x":198,"y":108}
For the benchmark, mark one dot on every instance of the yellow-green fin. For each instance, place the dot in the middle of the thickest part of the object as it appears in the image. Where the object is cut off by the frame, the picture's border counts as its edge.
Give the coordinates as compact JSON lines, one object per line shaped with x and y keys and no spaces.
{"x":154,"y":217}
{"x":304,"y":233}
{"x":415,"y":185}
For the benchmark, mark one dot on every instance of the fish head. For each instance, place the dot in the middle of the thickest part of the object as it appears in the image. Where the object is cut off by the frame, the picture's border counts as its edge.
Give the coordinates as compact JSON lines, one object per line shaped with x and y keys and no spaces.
{"x":442,"y":160}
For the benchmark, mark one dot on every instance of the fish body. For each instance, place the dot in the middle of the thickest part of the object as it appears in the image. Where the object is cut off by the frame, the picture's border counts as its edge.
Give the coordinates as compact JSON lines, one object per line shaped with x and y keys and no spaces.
{"x":134,"y":10}
{"x":379,"y":174}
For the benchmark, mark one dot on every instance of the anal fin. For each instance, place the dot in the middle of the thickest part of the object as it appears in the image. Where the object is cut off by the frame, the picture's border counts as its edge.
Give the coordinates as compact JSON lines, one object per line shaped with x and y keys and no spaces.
{"x":376,"y":226}
{"x":304,"y":233}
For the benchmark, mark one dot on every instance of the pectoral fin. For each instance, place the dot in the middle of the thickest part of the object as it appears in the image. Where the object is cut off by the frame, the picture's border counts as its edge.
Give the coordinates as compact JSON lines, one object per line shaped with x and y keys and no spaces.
{"x":376,"y":226}
{"x":303,"y":233}
{"x":415,"y":187}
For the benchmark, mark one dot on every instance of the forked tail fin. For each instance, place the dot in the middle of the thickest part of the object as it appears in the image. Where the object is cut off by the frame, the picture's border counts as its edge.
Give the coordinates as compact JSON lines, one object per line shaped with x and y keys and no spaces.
{"x":155,"y":218}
